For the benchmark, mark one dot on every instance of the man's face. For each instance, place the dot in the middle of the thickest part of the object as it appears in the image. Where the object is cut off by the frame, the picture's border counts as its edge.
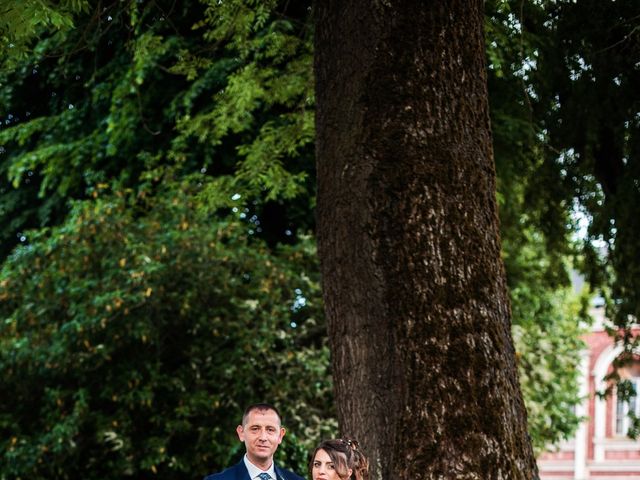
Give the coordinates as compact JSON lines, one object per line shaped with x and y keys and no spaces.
{"x":261,"y":434}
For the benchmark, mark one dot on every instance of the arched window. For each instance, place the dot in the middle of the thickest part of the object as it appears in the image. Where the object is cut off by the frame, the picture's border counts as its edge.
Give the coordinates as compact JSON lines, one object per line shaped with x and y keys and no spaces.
{"x":625,"y":407}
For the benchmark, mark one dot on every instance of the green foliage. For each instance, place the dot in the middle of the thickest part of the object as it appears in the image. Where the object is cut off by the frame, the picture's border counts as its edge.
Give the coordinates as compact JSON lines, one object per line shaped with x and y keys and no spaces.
{"x":547,"y":324}
{"x":575,"y":67}
{"x":192,"y":90}
{"x":535,"y":235}
{"x":135,"y":333}
{"x":585,"y":99}
{"x":21,"y":21}
{"x":272,"y":74}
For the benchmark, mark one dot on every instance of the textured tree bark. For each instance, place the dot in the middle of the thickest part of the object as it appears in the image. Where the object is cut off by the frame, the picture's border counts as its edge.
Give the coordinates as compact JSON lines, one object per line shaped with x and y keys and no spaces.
{"x":414,"y":287}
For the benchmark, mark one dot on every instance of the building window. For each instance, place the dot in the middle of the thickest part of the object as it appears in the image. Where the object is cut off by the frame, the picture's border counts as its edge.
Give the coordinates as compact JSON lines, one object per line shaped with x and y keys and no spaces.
{"x":626,"y":407}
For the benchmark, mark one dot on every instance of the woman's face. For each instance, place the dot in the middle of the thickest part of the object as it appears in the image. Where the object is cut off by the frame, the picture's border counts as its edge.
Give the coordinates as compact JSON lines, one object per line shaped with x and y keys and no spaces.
{"x":323,"y":467}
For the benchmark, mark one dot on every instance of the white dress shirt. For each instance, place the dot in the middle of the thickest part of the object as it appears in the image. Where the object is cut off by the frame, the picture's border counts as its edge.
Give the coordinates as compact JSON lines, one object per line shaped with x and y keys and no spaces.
{"x":255,"y":471}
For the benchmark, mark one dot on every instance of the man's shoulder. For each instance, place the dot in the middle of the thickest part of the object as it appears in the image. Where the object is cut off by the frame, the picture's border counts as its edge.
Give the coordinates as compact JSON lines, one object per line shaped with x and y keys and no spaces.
{"x":227,"y":474}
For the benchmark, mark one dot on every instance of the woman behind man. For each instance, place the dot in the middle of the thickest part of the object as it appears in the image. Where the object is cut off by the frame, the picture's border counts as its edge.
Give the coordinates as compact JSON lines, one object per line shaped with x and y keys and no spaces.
{"x":338,"y":459}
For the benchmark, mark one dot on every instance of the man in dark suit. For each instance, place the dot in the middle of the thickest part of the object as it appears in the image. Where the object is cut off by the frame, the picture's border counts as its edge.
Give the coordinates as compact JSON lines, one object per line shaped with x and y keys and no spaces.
{"x":261,"y":432}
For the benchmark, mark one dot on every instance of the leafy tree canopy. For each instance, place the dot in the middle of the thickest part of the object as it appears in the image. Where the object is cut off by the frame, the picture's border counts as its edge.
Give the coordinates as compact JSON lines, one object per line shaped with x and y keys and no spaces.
{"x":22,"y":20}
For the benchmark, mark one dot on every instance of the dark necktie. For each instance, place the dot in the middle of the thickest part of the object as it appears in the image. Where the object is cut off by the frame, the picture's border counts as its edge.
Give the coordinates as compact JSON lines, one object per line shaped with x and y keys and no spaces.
{"x":265,"y":476}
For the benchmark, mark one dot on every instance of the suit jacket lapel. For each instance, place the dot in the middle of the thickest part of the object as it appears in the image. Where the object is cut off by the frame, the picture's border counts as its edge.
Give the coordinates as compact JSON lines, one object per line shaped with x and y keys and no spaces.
{"x":243,"y":474}
{"x":279,"y":473}
{"x":241,"y":471}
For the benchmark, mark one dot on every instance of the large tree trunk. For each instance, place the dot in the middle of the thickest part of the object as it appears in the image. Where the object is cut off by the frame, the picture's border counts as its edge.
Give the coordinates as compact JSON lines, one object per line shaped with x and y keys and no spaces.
{"x":414,"y":286}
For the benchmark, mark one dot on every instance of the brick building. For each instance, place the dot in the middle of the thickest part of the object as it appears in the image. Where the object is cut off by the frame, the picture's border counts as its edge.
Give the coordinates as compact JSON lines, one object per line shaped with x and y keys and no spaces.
{"x":600,"y":449}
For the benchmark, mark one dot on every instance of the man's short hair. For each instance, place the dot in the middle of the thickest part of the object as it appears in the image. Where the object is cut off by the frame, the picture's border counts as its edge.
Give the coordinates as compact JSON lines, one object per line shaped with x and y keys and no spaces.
{"x":260,"y":407}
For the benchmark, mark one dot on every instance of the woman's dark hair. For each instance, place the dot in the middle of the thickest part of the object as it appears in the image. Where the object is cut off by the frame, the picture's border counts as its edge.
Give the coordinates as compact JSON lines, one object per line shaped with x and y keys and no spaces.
{"x":345,"y":454}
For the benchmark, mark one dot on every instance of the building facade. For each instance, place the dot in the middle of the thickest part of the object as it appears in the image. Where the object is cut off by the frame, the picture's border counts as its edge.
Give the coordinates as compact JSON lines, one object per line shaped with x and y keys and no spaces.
{"x":601,"y":448}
